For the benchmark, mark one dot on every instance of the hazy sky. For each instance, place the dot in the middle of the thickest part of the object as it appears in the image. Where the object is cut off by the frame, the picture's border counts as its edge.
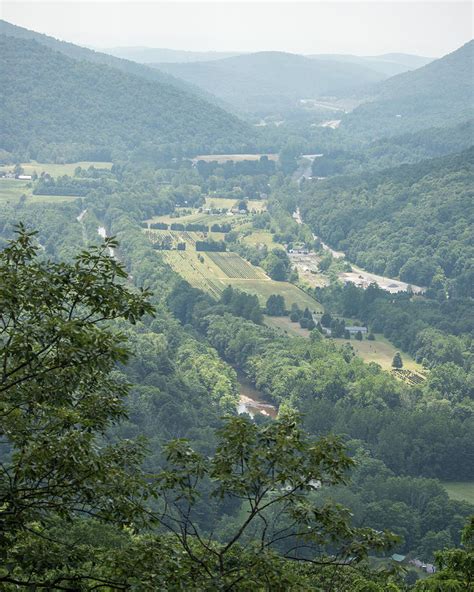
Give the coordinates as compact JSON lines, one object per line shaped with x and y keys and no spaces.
{"x":365,"y":28}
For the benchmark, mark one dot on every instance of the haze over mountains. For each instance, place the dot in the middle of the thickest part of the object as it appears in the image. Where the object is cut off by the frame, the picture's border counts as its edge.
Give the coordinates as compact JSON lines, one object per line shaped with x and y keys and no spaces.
{"x":271,"y":81}
{"x":150,"y":55}
{"x":438,"y":94}
{"x":387,"y":64}
{"x":175,"y":106}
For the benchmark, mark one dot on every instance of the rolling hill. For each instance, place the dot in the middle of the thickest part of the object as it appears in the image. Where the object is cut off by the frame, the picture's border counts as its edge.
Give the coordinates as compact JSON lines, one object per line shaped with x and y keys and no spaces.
{"x":271,"y":81}
{"x":438,"y":94}
{"x":94,"y":111}
{"x":388,"y":64}
{"x":77,"y":52}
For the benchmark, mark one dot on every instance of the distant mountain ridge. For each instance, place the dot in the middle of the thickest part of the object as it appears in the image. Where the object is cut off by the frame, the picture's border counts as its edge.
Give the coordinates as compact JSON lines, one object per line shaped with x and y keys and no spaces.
{"x":438,"y":94}
{"x":388,"y":64}
{"x":270,"y":81}
{"x":95,"y":111}
{"x":150,"y":55}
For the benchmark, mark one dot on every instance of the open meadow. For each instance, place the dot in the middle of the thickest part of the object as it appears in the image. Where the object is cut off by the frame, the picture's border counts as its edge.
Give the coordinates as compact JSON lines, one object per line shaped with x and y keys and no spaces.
{"x":56,"y":170}
{"x":261,"y":237}
{"x":460,"y":490}
{"x":285,"y":325}
{"x":258,"y":205}
{"x":381,"y":351}
{"x":11,"y":191}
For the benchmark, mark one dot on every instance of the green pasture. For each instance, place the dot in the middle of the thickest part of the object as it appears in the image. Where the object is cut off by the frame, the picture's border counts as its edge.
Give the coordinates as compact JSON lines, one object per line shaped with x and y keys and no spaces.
{"x":56,"y":170}
{"x":11,"y":191}
{"x":460,"y":490}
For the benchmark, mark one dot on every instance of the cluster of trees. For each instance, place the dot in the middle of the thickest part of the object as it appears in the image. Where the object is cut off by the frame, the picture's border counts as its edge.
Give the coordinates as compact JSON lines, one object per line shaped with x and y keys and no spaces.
{"x":211,"y":245}
{"x":411,"y":222}
{"x":75,"y":186}
{"x":277,"y":264}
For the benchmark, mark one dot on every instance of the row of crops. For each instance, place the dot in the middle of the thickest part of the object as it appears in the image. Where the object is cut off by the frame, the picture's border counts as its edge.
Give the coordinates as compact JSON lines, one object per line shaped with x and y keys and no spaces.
{"x":413,"y":378}
{"x":234,"y":266}
{"x":194,"y":272}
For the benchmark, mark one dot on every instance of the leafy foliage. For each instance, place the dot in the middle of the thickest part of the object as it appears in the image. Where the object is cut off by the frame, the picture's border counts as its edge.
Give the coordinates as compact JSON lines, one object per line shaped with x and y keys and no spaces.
{"x":428,"y":204}
{"x":103,"y":110}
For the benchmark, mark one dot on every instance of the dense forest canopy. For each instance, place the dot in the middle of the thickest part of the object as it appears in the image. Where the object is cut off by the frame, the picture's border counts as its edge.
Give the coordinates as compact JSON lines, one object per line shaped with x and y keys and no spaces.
{"x":53,"y":99}
{"x":413,"y":222}
{"x":84,"y":54}
{"x":433,"y":95}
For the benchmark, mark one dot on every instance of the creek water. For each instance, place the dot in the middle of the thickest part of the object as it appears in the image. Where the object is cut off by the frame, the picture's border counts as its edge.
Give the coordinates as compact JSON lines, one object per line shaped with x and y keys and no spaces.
{"x":251,"y":400}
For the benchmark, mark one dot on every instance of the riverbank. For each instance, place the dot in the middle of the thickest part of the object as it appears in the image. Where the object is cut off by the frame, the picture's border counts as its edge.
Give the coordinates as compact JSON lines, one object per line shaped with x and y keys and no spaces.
{"x":251,"y":400}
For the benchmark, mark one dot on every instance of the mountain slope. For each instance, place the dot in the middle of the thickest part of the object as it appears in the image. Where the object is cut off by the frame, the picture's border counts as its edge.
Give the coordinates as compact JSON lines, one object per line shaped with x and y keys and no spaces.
{"x":270,"y":81}
{"x":50,"y":99}
{"x":82,"y":53}
{"x":440,"y":93}
{"x":413,"y":221}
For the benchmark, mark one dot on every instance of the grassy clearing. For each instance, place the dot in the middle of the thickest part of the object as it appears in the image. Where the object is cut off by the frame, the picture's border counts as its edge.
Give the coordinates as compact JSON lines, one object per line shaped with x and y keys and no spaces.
{"x":235,"y":157}
{"x":284,"y":324}
{"x":259,"y":205}
{"x":12,"y":189}
{"x":56,"y":170}
{"x":460,"y":490}
{"x":380,"y":351}
{"x":265,"y":288}
{"x":261,"y":237}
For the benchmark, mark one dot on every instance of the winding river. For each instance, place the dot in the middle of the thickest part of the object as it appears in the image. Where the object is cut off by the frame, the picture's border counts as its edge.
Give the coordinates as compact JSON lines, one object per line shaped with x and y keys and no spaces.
{"x":251,"y":400}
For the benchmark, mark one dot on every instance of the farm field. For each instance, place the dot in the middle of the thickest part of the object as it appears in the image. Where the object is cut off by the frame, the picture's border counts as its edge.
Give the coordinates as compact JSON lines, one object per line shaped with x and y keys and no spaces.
{"x":261,"y":237}
{"x":183,"y":236}
{"x":460,"y":490}
{"x":219,"y":270}
{"x":380,"y":351}
{"x":56,"y":170}
{"x":235,"y":157}
{"x":259,"y":205}
{"x":201,"y":218}
{"x":12,"y":189}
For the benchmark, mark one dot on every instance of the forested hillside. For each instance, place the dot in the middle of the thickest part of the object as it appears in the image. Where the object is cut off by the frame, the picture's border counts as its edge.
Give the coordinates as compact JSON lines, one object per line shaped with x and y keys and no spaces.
{"x":92,"y":111}
{"x":268,"y":82}
{"x":346,"y":155}
{"x":413,"y":221}
{"x":79,"y":53}
{"x":437,"y":94}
